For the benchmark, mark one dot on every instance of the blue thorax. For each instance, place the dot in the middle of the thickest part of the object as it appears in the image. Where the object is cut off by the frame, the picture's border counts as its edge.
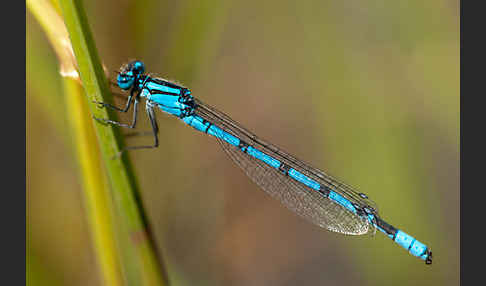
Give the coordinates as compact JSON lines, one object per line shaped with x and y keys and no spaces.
{"x":170,"y":97}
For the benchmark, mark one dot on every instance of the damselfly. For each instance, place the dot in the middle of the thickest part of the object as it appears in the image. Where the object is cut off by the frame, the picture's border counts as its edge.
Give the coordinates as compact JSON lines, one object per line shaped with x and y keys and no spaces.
{"x":309,"y":192}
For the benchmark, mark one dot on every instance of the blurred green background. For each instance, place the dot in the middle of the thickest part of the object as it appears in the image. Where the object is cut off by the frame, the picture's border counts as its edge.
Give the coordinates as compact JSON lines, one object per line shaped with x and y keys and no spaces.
{"x":366,"y":90}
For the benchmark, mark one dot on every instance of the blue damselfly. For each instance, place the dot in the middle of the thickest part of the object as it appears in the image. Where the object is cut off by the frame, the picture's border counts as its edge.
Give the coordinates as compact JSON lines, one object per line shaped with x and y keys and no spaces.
{"x":309,"y":192}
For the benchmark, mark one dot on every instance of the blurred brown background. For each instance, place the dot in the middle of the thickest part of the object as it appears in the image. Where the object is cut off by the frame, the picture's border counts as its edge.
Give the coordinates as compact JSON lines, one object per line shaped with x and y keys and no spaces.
{"x":367,"y":90}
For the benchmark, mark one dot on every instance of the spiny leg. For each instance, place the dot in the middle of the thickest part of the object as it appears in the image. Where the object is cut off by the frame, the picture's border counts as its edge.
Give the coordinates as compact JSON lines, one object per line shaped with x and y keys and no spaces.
{"x":155,"y":131}
{"x":134,"y":120}
{"x":127,"y":105}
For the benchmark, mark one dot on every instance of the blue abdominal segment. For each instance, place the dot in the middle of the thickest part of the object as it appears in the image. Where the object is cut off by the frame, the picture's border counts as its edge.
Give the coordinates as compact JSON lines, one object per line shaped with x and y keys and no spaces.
{"x":197,"y":122}
{"x":304,"y":179}
{"x":263,"y":157}
{"x":415,"y":247}
{"x":201,"y":125}
{"x":342,"y":201}
{"x":408,"y":242}
{"x":217,"y":132}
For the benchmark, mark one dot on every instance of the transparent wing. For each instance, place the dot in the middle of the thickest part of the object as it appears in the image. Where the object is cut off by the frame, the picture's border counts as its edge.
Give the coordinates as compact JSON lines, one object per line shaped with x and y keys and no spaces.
{"x":306,"y":202}
{"x":229,"y":125}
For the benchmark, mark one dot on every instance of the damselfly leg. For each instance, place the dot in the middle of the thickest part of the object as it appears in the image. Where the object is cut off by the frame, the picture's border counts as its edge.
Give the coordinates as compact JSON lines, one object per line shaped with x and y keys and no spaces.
{"x":127,"y":105}
{"x":150,"y":113}
{"x":155,"y":131}
{"x":134,"y":120}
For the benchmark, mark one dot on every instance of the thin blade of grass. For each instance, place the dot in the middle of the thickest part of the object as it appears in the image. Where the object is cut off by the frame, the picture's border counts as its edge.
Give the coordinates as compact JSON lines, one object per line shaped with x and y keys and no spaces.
{"x":136,"y":245}
{"x":97,"y":198}
{"x":119,"y":169}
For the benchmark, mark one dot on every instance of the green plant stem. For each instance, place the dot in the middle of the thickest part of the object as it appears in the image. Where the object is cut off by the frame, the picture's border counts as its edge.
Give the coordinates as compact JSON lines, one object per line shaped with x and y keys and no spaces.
{"x":97,"y":198}
{"x":98,"y":203}
{"x":120,"y":174}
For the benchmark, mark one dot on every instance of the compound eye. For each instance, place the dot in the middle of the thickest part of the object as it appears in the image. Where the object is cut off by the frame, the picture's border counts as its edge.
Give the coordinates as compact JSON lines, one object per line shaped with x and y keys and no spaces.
{"x":138,"y":67}
{"x":124,"y":82}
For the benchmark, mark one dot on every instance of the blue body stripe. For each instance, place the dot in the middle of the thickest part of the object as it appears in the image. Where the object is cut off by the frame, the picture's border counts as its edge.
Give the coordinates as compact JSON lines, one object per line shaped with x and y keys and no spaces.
{"x":403,"y":239}
{"x":304,"y":179}
{"x":413,"y":246}
{"x":196,"y":122}
{"x":263,"y":157}
{"x":419,"y":249}
{"x":217,"y":132}
{"x":342,"y":201}
{"x":166,"y":100}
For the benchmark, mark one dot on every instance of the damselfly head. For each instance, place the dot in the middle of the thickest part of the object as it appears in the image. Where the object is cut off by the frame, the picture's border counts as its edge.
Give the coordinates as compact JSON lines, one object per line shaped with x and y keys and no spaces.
{"x":137,"y":67}
{"x":128,"y":74}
